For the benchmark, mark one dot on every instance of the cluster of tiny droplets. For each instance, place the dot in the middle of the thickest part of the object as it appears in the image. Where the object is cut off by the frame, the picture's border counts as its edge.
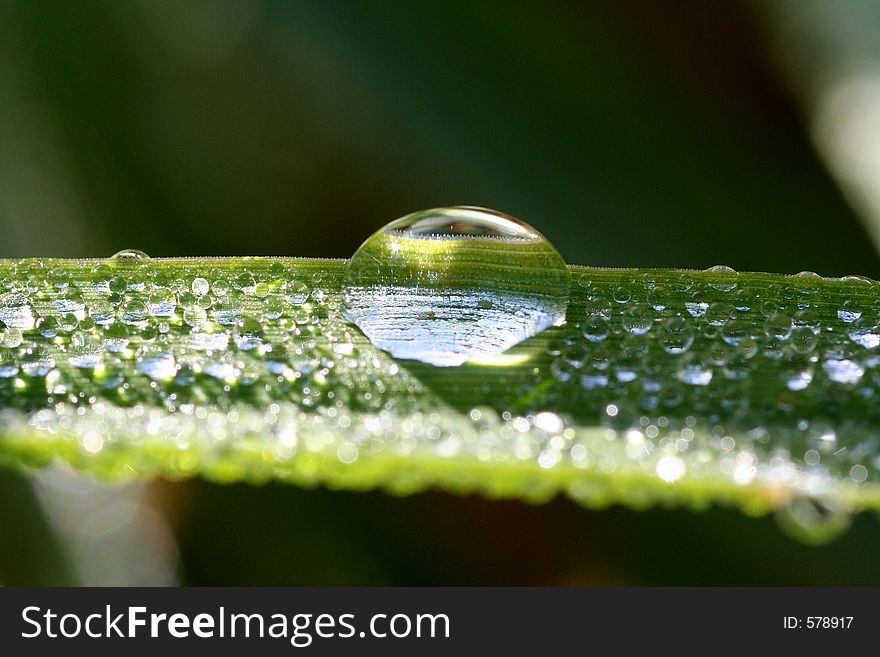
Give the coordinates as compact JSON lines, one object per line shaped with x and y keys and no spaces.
{"x":750,"y":366}
{"x":129,"y":334}
{"x":253,"y":373}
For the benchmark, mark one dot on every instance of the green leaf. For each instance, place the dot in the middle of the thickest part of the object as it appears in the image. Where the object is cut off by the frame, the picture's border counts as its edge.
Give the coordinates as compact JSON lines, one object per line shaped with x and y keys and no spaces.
{"x":673,"y":387}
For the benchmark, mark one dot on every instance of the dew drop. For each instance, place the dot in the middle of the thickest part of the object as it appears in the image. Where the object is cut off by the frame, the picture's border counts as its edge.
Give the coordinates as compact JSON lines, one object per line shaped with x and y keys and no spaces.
{"x":415,"y":287}
{"x":37,"y":361}
{"x":130,"y":255}
{"x":157,"y":364}
{"x":47,"y":327}
{"x":676,"y":335}
{"x":804,"y":339}
{"x":85,"y":351}
{"x":865,"y":333}
{"x":200,"y":287}
{"x":778,"y":327}
{"x":694,"y":373}
{"x":722,"y":278}
{"x":849,"y":312}
{"x":298,"y":292}
{"x":8,"y":365}
{"x":696,"y":308}
{"x":843,"y":370}
{"x":16,"y":311}
{"x":638,"y":319}
{"x":162,"y":303}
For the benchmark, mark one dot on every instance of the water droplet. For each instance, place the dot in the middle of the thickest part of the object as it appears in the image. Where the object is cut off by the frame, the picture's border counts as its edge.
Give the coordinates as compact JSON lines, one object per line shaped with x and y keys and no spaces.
{"x":298,"y":292}
{"x":735,"y":331}
{"x":16,"y":311}
{"x":778,"y":326}
{"x":865,"y":332}
{"x":8,"y":365}
{"x":414,"y":288}
{"x":101,"y":312}
{"x":130,"y":255}
{"x":157,"y":364}
{"x":226,"y":310}
{"x":804,"y":339}
{"x":696,"y":308}
{"x":134,"y":311}
{"x":162,"y":303}
{"x":694,"y":373}
{"x":722,"y":278}
{"x":11,"y":337}
{"x":248,"y":334}
{"x":117,"y":284}
{"x":621,"y":294}
{"x":849,"y":312}
{"x":843,"y":370}
{"x":47,"y":327}
{"x":37,"y":361}
{"x":200,"y":287}
{"x":638,"y":319}
{"x":85,"y":351}
{"x":718,"y":313}
{"x":676,"y":335}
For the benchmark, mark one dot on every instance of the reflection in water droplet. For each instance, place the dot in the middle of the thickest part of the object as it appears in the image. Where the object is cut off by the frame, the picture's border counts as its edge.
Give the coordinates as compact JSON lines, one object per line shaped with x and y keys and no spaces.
{"x":444,"y":285}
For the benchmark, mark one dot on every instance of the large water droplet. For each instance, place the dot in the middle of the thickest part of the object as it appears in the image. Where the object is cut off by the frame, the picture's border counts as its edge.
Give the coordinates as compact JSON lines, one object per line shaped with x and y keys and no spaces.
{"x":448,"y":284}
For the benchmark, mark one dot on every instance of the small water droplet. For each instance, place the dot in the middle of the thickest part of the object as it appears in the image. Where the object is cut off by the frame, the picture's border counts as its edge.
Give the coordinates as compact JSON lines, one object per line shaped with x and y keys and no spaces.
{"x":621,"y":294}
{"x":298,"y":292}
{"x":156,"y":363}
{"x":162,"y":303}
{"x":804,"y":339}
{"x":414,"y":287}
{"x":638,"y":319}
{"x":130,"y":255}
{"x":865,"y":332}
{"x":47,"y":327}
{"x":200,"y":287}
{"x":722,"y":278}
{"x":694,"y":373}
{"x":16,"y":311}
{"x":37,"y":361}
{"x":696,"y":308}
{"x":248,"y":334}
{"x":85,"y":351}
{"x":778,"y":326}
{"x":676,"y":335}
{"x":843,"y":370}
{"x":849,"y":312}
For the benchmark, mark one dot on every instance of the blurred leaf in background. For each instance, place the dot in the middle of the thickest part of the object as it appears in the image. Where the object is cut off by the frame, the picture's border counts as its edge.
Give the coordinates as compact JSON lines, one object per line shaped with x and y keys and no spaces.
{"x":630,"y":133}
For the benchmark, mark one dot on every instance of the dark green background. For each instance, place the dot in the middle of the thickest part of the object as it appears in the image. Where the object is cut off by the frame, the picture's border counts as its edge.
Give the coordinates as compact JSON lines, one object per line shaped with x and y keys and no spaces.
{"x":630,"y":133}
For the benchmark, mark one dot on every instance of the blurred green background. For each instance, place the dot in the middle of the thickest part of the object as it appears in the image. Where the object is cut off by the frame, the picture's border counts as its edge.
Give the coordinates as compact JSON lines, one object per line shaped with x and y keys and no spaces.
{"x":630,"y":133}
